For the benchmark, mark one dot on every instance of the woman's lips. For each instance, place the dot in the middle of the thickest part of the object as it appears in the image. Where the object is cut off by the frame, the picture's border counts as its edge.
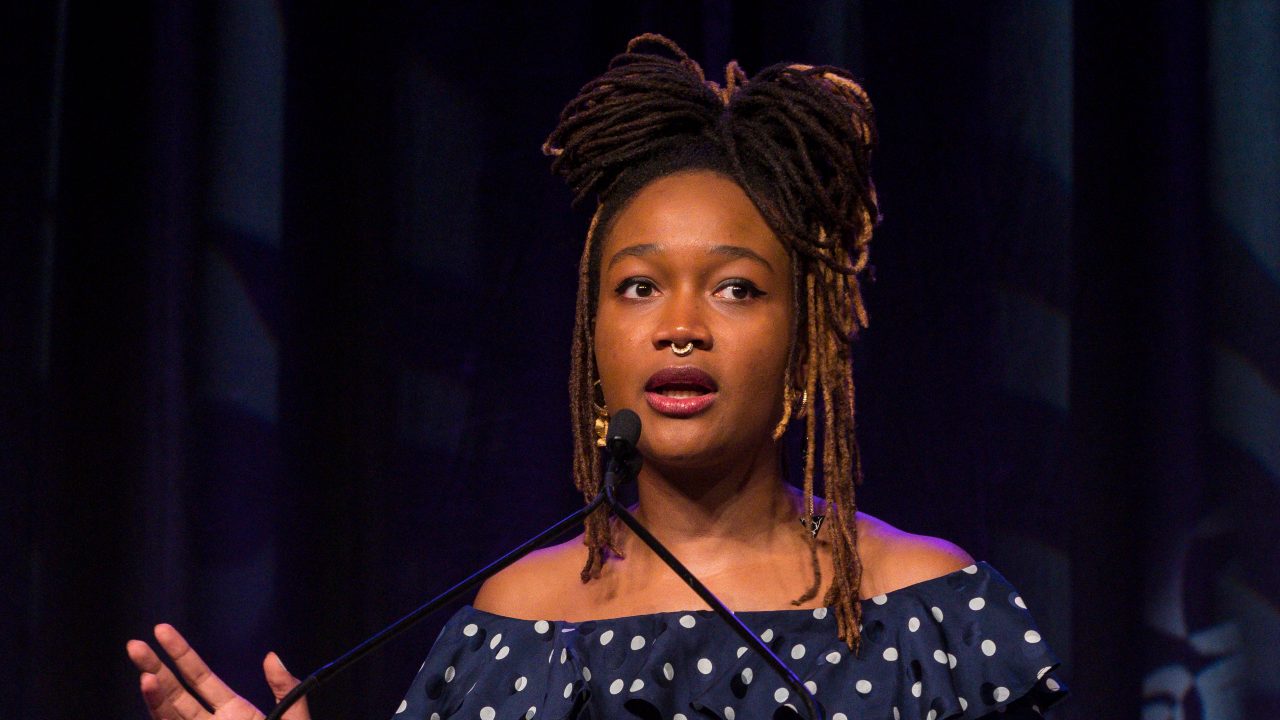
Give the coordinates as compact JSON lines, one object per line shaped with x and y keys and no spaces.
{"x":680,"y":392}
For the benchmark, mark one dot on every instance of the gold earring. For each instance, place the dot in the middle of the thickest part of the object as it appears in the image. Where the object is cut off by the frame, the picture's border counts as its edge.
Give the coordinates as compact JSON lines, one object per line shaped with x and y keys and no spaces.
{"x":602,"y":416}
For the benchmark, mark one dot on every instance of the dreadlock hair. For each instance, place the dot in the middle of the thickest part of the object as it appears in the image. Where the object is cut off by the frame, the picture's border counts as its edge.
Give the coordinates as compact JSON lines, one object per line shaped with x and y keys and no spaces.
{"x":798,"y":140}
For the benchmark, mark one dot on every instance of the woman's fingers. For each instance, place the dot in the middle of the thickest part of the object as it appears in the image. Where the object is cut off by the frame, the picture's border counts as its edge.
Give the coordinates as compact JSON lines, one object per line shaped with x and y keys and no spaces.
{"x":165,"y":697}
{"x":281,"y":682}
{"x":197,"y":674}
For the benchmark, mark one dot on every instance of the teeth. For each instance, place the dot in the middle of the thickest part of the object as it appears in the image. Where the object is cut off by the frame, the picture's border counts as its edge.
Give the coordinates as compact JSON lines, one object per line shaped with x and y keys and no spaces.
{"x":682,"y":393}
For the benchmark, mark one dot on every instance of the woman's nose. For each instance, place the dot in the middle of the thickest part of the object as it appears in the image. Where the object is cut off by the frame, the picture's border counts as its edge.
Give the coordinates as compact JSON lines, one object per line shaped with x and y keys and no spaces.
{"x":682,"y":325}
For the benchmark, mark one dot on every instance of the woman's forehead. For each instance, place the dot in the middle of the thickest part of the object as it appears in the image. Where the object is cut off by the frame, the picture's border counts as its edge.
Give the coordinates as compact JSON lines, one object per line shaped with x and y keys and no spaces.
{"x":696,"y":211}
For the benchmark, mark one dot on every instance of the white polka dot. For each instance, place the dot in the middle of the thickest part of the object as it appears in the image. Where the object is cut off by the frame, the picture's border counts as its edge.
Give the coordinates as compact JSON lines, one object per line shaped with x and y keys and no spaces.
{"x":951,"y":660}
{"x":551,"y":655}
{"x":637,"y":642}
{"x":637,"y":685}
{"x":819,"y":613}
{"x":862,"y":686}
{"x":435,"y":716}
{"x":812,"y":687}
{"x":494,"y":642}
{"x":668,"y":671}
{"x":1001,"y":694}
{"x":704,"y":666}
{"x":890,"y":654}
{"x":937,"y":613}
{"x":781,"y":694}
{"x":521,"y":682}
{"x":977,"y":603}
{"x":1052,"y":684}
{"x":506,"y":650}
{"x":606,"y":637}
{"x":747,"y":676}
{"x":896,"y":715}
{"x":449,"y":673}
{"x":529,"y":715}
{"x":679,"y":716}
{"x":541,"y":626}
{"x":616,"y":686}
{"x":687,"y":621}
{"x":880,"y":599}
{"x":797,"y":652}
{"x":916,"y":688}
{"x":913,"y":624}
{"x":972,"y":569}
{"x":933,"y":715}
{"x":839,"y":716}
{"x":964,"y":704}
{"x":833,"y":657}
{"x":729,"y":714}
{"x":742,"y":651}
{"x":470,"y":630}
{"x":1017,"y":600}
{"x":940,"y":656}
{"x":1031,"y":636}
{"x":1043,"y":670}
{"x":568,"y":690}
{"x":988,"y":648}
{"x":586,"y":673}
{"x":487,"y":713}
{"x":767,"y":635}
{"x":404,"y":705}
{"x":564,"y":655}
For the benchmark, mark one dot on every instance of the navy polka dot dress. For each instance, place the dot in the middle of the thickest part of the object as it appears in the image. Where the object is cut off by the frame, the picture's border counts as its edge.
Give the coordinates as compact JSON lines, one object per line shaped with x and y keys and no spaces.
{"x":958,"y":646}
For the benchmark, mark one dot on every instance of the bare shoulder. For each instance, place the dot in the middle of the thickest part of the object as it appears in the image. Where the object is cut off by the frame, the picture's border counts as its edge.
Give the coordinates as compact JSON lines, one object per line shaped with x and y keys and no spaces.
{"x":893,"y":559}
{"x":535,"y":586}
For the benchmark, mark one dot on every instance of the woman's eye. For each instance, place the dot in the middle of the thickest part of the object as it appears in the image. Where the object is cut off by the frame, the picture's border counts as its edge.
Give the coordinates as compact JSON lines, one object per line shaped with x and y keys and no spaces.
{"x":634,"y":288}
{"x":738,"y":290}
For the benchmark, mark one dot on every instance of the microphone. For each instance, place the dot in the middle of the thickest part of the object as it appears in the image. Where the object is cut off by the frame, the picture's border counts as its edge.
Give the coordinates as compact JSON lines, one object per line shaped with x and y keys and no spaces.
{"x":620,"y":440}
{"x":623,"y":434}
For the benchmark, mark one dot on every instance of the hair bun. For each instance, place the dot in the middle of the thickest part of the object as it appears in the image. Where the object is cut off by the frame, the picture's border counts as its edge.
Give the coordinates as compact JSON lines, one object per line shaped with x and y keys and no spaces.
{"x":652,"y":97}
{"x":811,"y":131}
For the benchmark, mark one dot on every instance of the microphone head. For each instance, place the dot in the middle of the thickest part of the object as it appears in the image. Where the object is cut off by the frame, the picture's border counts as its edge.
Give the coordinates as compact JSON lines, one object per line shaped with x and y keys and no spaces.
{"x":623,"y":434}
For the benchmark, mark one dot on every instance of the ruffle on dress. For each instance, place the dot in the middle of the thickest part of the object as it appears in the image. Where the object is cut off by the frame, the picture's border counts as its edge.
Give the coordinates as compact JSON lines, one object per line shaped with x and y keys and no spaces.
{"x":962,"y":645}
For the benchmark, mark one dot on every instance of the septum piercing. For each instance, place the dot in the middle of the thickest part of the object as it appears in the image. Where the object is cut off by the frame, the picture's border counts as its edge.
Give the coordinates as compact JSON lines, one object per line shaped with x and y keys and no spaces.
{"x":682,"y":350}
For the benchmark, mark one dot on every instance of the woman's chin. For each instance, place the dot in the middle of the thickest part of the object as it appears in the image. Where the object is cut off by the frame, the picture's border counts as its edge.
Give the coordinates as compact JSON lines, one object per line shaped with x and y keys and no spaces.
{"x":682,"y":454}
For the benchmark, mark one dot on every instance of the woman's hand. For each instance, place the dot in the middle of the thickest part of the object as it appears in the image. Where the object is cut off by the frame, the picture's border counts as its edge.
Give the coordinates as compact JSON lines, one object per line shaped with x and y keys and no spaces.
{"x":167,"y":699}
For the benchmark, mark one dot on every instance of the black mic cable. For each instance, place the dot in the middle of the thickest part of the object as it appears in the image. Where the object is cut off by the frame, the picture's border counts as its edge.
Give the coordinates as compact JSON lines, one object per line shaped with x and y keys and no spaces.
{"x":624,"y":463}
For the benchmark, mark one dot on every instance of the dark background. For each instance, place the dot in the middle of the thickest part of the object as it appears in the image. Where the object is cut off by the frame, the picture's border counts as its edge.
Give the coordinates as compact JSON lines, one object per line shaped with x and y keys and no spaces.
{"x":287,"y":295}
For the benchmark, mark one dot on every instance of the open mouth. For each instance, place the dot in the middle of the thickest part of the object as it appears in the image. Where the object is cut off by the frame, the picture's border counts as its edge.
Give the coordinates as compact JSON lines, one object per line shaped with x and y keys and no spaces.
{"x":680,"y":391}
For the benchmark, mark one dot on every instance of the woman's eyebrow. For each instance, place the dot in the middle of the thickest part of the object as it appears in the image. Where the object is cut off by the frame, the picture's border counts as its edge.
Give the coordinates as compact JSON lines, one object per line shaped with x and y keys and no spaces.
{"x":737,"y":251}
{"x":733,"y":251}
{"x":633,"y":251}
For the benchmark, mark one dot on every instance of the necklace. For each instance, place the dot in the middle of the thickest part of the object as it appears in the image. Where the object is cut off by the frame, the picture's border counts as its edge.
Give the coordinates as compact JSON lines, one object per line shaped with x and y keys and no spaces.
{"x":814,"y":525}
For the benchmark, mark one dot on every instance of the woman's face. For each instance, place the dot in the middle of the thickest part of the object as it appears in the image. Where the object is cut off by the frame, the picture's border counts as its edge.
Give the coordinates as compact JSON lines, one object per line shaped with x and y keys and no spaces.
{"x":691,"y":260}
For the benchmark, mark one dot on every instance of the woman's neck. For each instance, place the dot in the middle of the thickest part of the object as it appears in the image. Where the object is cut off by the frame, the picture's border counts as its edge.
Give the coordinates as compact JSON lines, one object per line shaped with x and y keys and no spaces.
{"x":705,"y":515}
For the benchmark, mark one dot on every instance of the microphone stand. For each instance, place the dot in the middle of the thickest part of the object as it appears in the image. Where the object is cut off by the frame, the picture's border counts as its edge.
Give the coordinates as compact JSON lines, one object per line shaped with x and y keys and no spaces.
{"x":342,"y":663}
{"x":619,"y":467}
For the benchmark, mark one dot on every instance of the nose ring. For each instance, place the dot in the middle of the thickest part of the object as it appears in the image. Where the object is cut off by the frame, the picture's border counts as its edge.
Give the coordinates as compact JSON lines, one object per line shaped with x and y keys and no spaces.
{"x":682,"y":350}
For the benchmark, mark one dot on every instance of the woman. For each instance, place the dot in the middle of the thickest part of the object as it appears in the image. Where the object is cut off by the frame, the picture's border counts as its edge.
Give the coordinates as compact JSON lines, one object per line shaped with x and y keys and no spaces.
{"x":718,"y":297}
